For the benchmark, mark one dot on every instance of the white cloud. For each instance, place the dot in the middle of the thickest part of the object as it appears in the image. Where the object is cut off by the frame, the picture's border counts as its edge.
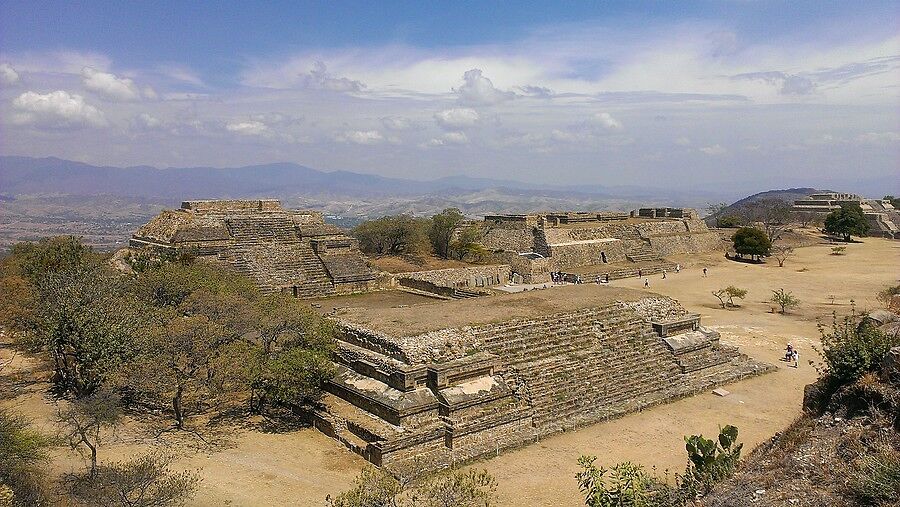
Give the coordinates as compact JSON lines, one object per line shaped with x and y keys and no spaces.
{"x":8,"y":75}
{"x":109,"y":85}
{"x":56,"y":109}
{"x":249,"y":128}
{"x":878,"y":137}
{"x":367,"y":137}
{"x":146,"y":121}
{"x":449,"y":138}
{"x":456,"y":118}
{"x":479,"y":90}
{"x":607,"y":121}
{"x":716,"y":149}
{"x":396,"y":123}
{"x":149,"y":93}
{"x":319,"y":79}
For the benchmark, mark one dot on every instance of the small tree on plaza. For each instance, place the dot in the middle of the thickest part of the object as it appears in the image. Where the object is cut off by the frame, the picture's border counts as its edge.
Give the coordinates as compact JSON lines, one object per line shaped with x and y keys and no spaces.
{"x":784,"y":299}
{"x":751,"y":241}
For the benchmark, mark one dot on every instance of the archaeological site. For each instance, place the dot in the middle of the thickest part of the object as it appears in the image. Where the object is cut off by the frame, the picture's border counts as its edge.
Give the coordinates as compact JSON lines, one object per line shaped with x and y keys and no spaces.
{"x":469,"y":370}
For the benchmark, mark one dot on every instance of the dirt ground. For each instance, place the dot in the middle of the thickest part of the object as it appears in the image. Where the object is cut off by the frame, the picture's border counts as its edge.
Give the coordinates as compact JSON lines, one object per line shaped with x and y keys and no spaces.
{"x":300,"y":467}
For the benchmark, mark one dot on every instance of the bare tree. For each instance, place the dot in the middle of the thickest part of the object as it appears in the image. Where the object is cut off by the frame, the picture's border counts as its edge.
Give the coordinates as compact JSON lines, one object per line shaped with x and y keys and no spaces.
{"x":773,"y":214}
{"x":83,"y":421}
{"x":781,"y":253}
{"x":144,"y":481}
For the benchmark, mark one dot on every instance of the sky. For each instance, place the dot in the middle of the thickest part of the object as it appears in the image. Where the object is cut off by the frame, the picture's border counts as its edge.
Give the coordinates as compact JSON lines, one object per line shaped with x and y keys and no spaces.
{"x":706,"y":95}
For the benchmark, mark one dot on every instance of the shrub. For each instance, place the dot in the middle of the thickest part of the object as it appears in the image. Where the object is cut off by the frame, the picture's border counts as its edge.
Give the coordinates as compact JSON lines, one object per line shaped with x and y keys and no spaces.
{"x":144,"y":481}
{"x":622,"y":484}
{"x":711,"y":461}
{"x":890,"y":298}
{"x":838,"y":250}
{"x":851,"y":348}
{"x":726,"y":296}
{"x":875,"y":479}
{"x":22,"y":450}
{"x":784,"y":299}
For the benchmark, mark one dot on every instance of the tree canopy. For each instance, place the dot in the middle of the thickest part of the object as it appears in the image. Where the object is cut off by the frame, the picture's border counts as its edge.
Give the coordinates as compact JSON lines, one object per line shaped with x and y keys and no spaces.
{"x":846,"y":222}
{"x":441,"y":230}
{"x":394,"y":235}
{"x":751,"y":241}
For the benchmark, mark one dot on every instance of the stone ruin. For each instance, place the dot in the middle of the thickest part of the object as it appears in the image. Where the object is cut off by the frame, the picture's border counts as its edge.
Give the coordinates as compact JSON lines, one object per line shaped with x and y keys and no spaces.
{"x":428,"y":386}
{"x":279,"y":249}
{"x":882,"y":217}
{"x":592,"y":244}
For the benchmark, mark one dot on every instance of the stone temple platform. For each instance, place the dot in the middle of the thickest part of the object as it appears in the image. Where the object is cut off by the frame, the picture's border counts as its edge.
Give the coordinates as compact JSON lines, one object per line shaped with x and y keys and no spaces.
{"x":279,"y":249}
{"x":430,"y":385}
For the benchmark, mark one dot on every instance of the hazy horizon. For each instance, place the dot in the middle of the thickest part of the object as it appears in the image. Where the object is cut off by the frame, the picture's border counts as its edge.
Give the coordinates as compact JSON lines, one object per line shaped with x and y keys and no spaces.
{"x":699,"y":96}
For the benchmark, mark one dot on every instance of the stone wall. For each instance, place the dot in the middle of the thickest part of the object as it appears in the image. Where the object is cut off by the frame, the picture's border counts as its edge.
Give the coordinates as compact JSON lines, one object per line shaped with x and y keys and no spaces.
{"x":467,"y":277}
{"x":507,"y":239}
{"x":679,"y":244}
{"x":530,"y":270}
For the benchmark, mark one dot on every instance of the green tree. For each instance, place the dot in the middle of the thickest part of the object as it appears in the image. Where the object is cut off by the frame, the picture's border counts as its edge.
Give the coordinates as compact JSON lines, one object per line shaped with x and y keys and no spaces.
{"x":847,"y":221}
{"x":290,"y":377}
{"x":726,"y":296}
{"x":784,"y":299}
{"x":728,"y":222}
{"x":467,"y":245}
{"x":751,"y":241}
{"x":51,"y":255}
{"x":284,"y":321}
{"x":394,"y":235}
{"x":441,"y":232}
{"x":88,"y":323}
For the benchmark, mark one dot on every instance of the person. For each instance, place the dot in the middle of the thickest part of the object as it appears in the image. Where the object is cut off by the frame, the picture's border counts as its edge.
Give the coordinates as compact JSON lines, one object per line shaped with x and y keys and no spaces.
{"x":678,"y":268}
{"x":664,"y":274}
{"x":789,"y":353}
{"x":795,"y":357}
{"x":704,"y":272}
{"x":646,"y":282}
{"x":607,"y":278}
{"x":640,"y":273}
{"x":597,"y":279}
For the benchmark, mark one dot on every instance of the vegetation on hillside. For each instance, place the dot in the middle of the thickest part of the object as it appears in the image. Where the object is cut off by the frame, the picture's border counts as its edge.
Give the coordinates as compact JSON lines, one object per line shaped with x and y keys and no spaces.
{"x":173,"y":336}
{"x":443,"y":235}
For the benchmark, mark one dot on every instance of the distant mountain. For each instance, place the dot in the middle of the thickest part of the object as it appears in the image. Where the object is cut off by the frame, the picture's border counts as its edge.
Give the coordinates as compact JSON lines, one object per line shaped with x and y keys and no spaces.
{"x":788,"y":195}
{"x":54,"y":176}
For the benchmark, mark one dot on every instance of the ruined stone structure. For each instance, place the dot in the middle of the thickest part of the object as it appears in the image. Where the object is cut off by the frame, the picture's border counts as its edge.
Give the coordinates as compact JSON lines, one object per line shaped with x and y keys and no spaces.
{"x":279,"y":249}
{"x":593,"y":244}
{"x":427,"y":386}
{"x":883,"y":218}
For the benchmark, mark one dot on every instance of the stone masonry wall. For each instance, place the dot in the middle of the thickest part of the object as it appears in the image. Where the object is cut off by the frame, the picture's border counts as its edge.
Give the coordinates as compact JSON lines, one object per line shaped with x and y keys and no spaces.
{"x":505,"y":239}
{"x":473,"y":276}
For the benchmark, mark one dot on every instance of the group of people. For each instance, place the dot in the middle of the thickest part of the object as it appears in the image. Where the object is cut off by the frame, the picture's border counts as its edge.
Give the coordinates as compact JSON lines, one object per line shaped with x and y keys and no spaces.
{"x":792,"y":356}
{"x":664,"y":274}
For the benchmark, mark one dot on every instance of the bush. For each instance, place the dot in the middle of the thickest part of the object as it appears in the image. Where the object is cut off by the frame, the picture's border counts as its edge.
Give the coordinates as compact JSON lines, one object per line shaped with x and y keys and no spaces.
{"x":623,"y":484}
{"x":144,"y":481}
{"x":851,"y":348}
{"x":784,"y":299}
{"x":711,"y":461}
{"x":377,"y":488}
{"x":726,"y":296}
{"x":876,"y":476}
{"x":22,"y":450}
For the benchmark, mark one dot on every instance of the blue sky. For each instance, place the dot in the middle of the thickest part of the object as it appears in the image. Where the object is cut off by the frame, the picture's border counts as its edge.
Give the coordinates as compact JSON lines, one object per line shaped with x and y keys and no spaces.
{"x":681,"y":93}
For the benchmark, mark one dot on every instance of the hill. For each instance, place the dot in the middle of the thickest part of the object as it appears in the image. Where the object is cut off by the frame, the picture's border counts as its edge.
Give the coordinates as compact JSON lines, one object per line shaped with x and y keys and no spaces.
{"x":737,"y":208}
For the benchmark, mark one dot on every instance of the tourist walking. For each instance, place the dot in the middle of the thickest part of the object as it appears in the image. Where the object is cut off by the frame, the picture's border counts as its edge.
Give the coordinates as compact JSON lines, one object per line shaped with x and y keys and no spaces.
{"x":678,"y":268}
{"x":646,"y":282}
{"x":664,"y":274}
{"x":704,"y":272}
{"x":795,"y":357}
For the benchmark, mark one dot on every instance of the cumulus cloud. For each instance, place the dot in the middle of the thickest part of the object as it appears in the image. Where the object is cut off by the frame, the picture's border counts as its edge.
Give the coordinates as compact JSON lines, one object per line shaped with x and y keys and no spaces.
{"x":789,"y":84}
{"x":457,"y":118}
{"x":319,"y":79}
{"x":8,"y":75}
{"x":249,"y":128}
{"x":716,"y":149}
{"x":449,"y":138}
{"x":109,"y":85}
{"x":607,"y":121}
{"x":56,"y":109}
{"x":366,"y":137}
{"x":146,"y":121}
{"x":396,"y":123}
{"x":479,"y":90}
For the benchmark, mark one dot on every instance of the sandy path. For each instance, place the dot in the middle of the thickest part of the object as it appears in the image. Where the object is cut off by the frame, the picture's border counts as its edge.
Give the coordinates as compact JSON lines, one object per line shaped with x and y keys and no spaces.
{"x":301,"y":467}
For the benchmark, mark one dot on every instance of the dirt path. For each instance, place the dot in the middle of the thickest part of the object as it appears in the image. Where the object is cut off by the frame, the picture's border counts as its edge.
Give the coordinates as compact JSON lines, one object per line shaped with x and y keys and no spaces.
{"x":301,"y":467}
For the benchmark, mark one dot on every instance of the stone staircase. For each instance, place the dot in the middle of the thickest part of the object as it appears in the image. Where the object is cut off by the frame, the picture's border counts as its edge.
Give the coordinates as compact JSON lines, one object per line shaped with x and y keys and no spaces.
{"x":260,"y":228}
{"x":568,"y":374}
{"x":466,"y":294}
{"x":642,"y":252}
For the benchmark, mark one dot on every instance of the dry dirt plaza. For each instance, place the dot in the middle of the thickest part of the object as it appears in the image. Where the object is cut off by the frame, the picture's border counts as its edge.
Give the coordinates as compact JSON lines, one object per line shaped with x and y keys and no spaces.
{"x":300,"y":467}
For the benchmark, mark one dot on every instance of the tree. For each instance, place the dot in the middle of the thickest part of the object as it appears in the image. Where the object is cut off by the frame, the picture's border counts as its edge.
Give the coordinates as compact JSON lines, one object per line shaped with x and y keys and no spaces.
{"x":290,"y":377}
{"x":847,"y":221}
{"x":88,"y":324}
{"x":372,"y":488}
{"x":143,"y":481}
{"x":781,"y":253}
{"x":751,"y":241}
{"x":728,"y":222}
{"x":467,"y":245}
{"x":285,"y":321}
{"x":784,"y":299}
{"x":851,"y":348}
{"x":83,"y":421}
{"x":726,"y":296}
{"x":773,"y":214}
{"x":188,"y":360}
{"x":22,"y":450}
{"x":393,"y":235}
{"x":472,"y":488}
{"x":441,"y":231}
{"x":51,"y":255}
